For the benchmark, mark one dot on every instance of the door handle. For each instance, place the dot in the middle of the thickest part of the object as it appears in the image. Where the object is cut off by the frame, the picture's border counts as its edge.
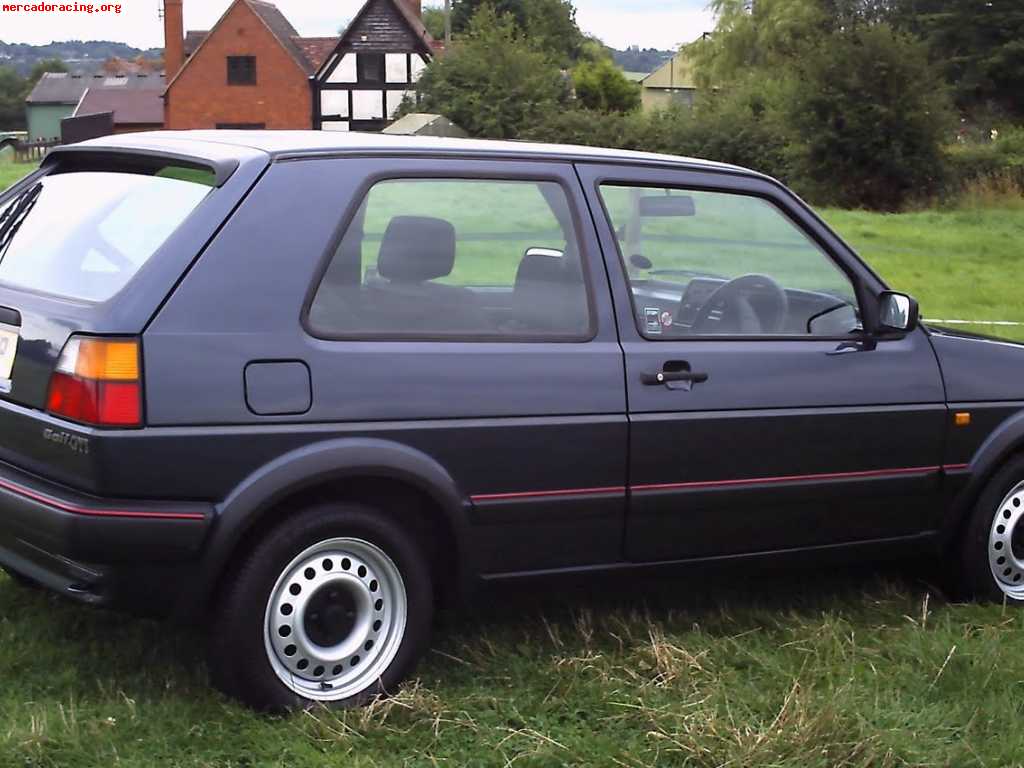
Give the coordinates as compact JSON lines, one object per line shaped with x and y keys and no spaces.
{"x":848,"y":347}
{"x":667,"y":377}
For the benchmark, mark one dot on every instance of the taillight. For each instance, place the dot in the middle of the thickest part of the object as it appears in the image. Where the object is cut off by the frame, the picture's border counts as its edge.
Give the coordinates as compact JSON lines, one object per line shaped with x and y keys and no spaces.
{"x":98,"y":381}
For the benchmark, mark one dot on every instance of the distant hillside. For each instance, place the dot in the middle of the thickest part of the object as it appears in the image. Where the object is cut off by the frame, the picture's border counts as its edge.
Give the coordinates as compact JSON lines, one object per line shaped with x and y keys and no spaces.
{"x":84,"y":56}
{"x":636,"y":59}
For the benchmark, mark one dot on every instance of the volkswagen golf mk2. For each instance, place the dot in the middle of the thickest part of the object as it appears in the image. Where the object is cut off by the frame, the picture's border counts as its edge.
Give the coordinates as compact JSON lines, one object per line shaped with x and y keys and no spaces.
{"x":304,"y":387}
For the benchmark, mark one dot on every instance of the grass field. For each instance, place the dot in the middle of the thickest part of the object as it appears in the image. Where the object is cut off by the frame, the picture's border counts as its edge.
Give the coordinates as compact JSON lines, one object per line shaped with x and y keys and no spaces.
{"x":801,"y":669}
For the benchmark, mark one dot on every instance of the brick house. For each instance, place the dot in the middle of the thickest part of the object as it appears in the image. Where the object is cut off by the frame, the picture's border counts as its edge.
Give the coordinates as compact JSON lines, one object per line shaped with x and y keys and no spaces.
{"x":253,"y":70}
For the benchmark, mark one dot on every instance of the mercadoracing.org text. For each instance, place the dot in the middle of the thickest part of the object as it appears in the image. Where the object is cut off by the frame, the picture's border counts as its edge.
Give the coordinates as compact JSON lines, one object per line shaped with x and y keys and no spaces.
{"x":61,"y":7}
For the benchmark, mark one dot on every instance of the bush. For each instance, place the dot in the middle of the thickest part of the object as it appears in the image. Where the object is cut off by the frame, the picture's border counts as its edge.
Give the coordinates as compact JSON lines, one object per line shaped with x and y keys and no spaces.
{"x":984,"y":174}
{"x":736,"y":128}
{"x":602,"y":86}
{"x":867,"y":119}
{"x":493,"y":82}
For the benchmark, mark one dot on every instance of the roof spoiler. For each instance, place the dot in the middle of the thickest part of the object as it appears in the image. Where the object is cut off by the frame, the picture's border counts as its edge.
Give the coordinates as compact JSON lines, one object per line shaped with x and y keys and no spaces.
{"x":84,"y":157}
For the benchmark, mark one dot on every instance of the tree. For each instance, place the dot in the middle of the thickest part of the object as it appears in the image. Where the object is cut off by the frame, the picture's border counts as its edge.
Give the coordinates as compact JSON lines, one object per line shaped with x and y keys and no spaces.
{"x":433,"y":19}
{"x":867,"y":117}
{"x":44,"y":66}
{"x":549,"y":24}
{"x":978,"y":45}
{"x":861,"y":114}
{"x":493,"y":82}
{"x":773,"y":35}
{"x":602,"y":86}
{"x":464,"y":10}
{"x":13,"y":90}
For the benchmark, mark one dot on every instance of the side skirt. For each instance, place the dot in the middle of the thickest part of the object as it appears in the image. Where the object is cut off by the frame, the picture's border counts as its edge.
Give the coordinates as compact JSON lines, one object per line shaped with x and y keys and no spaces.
{"x":920,"y":544}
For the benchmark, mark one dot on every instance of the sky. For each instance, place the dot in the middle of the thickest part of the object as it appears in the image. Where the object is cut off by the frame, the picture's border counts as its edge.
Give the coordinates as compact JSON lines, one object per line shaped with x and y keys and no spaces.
{"x":661,"y":24}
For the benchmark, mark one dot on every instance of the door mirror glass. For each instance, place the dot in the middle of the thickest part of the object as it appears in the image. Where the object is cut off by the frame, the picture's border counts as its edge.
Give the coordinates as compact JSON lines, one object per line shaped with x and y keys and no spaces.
{"x":666,"y":206}
{"x":897,"y":312}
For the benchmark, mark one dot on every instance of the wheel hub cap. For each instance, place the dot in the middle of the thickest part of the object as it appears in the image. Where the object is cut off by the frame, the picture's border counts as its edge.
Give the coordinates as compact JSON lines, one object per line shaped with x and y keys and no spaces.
{"x":1006,"y":544}
{"x":335,"y":619}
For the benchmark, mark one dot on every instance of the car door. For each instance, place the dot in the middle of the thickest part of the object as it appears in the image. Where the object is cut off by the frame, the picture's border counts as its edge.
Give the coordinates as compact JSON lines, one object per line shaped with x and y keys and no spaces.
{"x":465,"y":310}
{"x":763,"y":416}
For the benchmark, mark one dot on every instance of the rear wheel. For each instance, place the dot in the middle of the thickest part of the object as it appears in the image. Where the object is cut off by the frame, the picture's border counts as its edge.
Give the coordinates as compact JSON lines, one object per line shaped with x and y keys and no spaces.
{"x":993,"y":550}
{"x":333,"y":606}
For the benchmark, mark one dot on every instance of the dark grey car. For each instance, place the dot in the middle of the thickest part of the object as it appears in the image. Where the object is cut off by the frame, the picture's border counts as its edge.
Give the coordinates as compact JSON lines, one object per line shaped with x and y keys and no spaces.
{"x":305,"y":387}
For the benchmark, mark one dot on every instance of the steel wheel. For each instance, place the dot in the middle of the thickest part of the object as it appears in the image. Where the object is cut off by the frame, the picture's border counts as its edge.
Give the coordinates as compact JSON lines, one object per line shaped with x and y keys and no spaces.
{"x":1006,"y":544}
{"x":335,"y":619}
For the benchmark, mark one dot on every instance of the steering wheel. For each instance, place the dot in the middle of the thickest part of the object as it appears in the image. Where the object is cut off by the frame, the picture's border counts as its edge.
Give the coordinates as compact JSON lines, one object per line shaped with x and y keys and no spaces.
{"x":730,"y":309}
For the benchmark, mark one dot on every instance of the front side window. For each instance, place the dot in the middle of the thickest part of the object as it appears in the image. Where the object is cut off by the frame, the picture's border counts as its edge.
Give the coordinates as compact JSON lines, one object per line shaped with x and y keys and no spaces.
{"x":712,"y":263}
{"x":241,"y":70}
{"x":458,"y":258}
{"x":84,"y":235}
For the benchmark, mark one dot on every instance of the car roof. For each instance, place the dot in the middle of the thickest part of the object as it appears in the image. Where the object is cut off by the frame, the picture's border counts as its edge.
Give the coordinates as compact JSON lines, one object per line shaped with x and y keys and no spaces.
{"x":291,"y":144}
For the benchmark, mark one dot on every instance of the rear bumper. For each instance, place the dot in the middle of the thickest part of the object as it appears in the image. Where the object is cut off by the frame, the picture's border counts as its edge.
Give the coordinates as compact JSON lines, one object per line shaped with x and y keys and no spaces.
{"x":96,"y":550}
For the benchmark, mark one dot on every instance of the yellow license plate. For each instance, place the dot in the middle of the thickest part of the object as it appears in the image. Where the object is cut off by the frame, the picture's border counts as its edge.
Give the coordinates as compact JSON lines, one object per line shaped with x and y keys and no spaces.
{"x":8,"y":348}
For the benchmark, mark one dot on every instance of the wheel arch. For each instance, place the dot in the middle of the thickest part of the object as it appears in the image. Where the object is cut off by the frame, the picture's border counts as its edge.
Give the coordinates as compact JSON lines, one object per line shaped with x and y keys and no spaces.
{"x":363,"y":470}
{"x":1004,"y":443}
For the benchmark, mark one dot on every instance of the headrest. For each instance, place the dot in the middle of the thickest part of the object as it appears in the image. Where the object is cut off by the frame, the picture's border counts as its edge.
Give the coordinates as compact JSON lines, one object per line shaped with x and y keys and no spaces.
{"x":416,"y":249}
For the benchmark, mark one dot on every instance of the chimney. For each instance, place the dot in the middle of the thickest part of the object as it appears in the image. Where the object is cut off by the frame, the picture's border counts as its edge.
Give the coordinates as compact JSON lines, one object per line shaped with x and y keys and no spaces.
{"x":416,"y":5}
{"x":174,"y":38}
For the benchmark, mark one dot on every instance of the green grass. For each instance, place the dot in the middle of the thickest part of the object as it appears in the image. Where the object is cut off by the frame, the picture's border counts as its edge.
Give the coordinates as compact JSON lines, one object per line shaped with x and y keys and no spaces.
{"x":11,"y":172}
{"x":960,"y":264}
{"x":806,"y":669}
{"x":820,"y":669}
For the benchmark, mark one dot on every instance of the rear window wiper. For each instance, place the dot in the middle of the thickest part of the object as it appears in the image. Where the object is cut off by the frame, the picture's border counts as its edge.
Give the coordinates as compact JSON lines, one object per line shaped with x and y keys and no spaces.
{"x":16,"y":213}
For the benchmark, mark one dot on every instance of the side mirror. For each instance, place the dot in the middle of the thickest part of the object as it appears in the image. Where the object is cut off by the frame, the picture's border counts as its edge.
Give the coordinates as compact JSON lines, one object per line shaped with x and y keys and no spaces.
{"x":897,"y":312}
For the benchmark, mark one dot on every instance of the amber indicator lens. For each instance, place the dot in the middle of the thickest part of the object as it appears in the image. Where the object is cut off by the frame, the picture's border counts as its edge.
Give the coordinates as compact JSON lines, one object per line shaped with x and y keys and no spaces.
{"x":962,"y":419}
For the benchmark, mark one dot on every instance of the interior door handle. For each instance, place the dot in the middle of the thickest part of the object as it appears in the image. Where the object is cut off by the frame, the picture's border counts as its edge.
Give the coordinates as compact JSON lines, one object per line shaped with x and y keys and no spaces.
{"x":666,"y":377}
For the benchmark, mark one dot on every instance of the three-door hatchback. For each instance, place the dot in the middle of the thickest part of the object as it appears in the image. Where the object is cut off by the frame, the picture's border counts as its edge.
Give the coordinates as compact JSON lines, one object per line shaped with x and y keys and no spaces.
{"x":305,"y":387}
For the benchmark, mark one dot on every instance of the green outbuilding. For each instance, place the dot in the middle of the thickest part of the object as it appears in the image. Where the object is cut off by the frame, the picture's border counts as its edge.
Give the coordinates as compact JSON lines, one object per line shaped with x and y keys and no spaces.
{"x":55,"y":97}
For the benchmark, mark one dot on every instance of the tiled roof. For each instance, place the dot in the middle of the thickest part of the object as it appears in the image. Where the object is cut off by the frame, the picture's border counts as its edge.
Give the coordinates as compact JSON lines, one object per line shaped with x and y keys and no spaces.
{"x":316,"y":49}
{"x":283,"y":30}
{"x":193,"y":39}
{"x":63,"y":88}
{"x":130,"y":107}
{"x":416,"y":22}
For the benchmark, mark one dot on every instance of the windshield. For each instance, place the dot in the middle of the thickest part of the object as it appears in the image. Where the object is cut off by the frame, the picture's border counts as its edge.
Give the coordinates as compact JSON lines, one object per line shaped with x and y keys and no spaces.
{"x":85,"y":235}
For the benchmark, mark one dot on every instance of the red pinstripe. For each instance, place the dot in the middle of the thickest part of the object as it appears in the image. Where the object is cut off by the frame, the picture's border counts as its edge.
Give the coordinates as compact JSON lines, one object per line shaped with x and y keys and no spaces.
{"x":28,"y":493}
{"x":871,"y":473}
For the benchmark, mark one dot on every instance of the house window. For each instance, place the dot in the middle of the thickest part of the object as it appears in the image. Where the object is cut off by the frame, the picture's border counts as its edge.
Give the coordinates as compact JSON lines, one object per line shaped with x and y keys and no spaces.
{"x":371,"y":67}
{"x":368,"y":105}
{"x":241,"y":126}
{"x":397,"y":66}
{"x":241,"y":70}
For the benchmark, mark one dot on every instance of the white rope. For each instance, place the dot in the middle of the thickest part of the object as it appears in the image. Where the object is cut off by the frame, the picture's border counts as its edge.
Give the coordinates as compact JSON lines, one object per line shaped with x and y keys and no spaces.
{"x":973,"y":322}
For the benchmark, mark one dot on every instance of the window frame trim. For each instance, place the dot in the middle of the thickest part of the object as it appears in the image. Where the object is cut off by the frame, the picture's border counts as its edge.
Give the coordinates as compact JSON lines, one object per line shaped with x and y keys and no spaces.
{"x":459,"y":173}
{"x":856,"y":280}
{"x":255,"y":72}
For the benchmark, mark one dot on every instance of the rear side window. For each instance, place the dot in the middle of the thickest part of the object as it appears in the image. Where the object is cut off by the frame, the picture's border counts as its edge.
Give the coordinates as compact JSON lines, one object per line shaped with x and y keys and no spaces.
{"x":84,"y":235}
{"x":458,"y":258}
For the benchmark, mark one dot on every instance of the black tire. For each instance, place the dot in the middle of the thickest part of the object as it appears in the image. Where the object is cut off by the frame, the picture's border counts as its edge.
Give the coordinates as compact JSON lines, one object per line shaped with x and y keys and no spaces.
{"x":239,"y":660}
{"x":977,"y":579}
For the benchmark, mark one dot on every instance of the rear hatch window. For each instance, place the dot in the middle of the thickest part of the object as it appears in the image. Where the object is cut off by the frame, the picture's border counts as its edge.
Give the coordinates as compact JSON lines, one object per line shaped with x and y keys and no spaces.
{"x":84,"y":235}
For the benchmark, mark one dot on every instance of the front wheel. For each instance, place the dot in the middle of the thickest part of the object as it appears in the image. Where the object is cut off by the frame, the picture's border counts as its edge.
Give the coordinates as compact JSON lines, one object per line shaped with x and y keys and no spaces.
{"x":993,"y":550}
{"x":332,"y":606}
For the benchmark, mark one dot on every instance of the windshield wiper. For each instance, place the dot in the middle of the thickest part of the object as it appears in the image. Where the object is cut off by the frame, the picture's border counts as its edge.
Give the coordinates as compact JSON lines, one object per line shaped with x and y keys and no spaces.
{"x":16,"y":213}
